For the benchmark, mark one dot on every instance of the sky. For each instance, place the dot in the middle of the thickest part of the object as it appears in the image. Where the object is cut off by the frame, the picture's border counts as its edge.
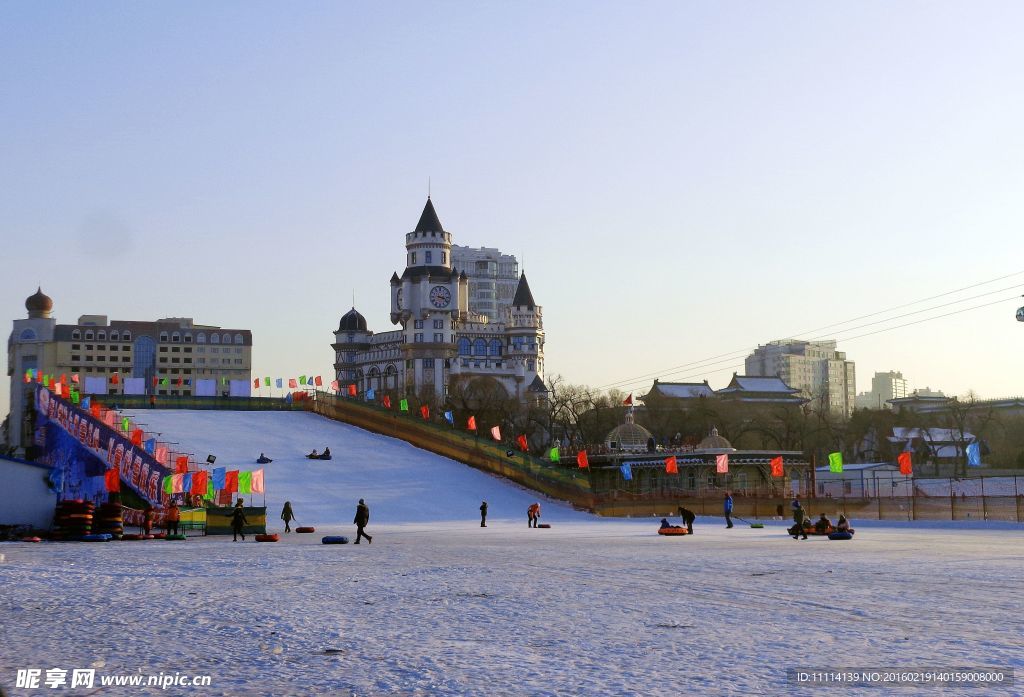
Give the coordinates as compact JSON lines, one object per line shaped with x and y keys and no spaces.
{"x":679,"y":180}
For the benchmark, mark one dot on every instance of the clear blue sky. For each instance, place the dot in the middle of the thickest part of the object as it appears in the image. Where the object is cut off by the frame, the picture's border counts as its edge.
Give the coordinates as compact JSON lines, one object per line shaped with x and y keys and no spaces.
{"x":681,"y":179}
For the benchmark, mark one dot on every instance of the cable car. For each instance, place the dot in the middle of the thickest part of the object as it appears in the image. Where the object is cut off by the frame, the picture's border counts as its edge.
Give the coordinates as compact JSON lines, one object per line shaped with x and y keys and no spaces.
{"x":1020,"y":314}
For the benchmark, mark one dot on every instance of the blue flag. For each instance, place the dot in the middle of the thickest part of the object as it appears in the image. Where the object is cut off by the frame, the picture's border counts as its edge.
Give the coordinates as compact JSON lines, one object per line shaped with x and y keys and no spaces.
{"x":186,"y":483}
{"x":627,"y":472}
{"x":974,"y":454}
{"x":280,"y":382}
{"x":86,"y":402}
{"x":220,"y":476}
{"x":370,"y":395}
{"x":449,"y":417}
{"x":151,"y":446}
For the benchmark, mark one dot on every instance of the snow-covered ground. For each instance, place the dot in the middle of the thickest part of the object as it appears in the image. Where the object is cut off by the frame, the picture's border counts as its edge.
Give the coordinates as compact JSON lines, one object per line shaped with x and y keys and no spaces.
{"x":439,"y":606}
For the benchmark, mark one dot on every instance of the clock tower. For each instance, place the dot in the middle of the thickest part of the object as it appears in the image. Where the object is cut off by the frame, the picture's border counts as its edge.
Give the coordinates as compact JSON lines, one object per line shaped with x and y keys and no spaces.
{"x":429,"y":301}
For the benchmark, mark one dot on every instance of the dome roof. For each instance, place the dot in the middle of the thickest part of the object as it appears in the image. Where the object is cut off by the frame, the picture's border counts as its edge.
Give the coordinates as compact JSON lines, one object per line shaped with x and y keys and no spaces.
{"x":715,"y":442}
{"x":38,"y":304}
{"x":352,"y":321}
{"x":628,"y":436}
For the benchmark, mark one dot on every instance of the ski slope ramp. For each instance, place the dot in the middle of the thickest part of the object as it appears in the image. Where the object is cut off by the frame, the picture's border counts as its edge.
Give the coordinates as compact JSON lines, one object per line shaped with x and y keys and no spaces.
{"x":400,"y":483}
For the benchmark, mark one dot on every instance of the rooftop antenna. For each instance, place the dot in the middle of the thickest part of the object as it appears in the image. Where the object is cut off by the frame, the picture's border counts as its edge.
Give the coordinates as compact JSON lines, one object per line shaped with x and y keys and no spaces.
{"x":353,"y":298}
{"x":428,"y":186}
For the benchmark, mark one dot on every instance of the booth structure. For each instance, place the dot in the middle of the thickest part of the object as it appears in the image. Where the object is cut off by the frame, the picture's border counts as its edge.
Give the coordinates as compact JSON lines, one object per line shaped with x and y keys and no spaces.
{"x":218,"y":520}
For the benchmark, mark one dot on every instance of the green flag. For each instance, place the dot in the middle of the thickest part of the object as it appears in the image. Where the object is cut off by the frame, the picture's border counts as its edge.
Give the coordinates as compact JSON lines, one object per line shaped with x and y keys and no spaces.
{"x":209,"y":489}
{"x":302,"y":379}
{"x":404,"y":405}
{"x":125,"y":424}
{"x":168,"y":485}
{"x":554,"y":455}
{"x":163,"y":381}
{"x":835,"y":462}
{"x":223,"y":381}
{"x":266,"y":381}
{"x":74,"y":397}
{"x":245,"y":482}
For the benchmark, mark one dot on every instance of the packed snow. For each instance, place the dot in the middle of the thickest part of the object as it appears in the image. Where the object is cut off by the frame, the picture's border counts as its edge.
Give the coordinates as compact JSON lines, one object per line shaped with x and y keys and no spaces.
{"x":438,"y":605}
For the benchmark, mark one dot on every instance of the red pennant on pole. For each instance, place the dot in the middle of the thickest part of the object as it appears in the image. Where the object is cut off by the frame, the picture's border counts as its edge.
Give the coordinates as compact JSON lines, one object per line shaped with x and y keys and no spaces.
{"x":670,"y":465}
{"x":255,"y":382}
{"x":628,"y":401}
{"x":115,"y":379}
{"x":496,"y":433}
{"x":906,"y":464}
{"x":112,"y":480}
{"x":318,"y":381}
{"x":386,"y":402}
{"x":137,"y":436}
{"x":581,"y":459}
{"x":425,"y":412}
{"x":471,"y":424}
{"x":776,"y":463}
{"x":181,"y":464}
{"x":352,"y":390}
{"x":523,"y":444}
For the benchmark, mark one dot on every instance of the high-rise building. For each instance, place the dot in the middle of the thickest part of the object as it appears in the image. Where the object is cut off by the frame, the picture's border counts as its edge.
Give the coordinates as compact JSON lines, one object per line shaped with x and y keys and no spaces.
{"x":884,"y":386}
{"x":172,"y":356}
{"x":816,"y":368}
{"x":493,"y":278}
{"x":441,"y":340}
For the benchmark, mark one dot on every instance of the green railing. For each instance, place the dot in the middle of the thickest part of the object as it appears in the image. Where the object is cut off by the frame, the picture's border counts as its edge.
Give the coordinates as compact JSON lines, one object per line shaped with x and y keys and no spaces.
{"x":141,"y":401}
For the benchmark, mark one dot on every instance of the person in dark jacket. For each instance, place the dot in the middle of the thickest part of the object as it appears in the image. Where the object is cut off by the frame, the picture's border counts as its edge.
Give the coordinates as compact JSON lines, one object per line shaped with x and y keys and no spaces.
{"x":824,"y":525}
{"x":171,"y":518}
{"x":483,"y":514}
{"x":238,"y":521}
{"x":287,"y":516}
{"x":361,"y":519}
{"x":844,"y":524}
{"x":798,"y":519}
{"x":727,"y":509}
{"x":688,"y":517}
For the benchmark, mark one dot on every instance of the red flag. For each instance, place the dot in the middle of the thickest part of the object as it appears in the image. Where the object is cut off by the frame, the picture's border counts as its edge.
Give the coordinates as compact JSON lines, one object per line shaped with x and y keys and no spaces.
{"x":471,"y":424}
{"x":318,"y":381}
{"x":386,"y":402}
{"x":181,"y":381}
{"x":154,"y":381}
{"x":581,"y":459}
{"x":137,"y":436}
{"x":94,"y":408}
{"x":906,"y":464}
{"x":255,"y":382}
{"x":628,"y":401}
{"x":112,"y":479}
{"x":114,"y":379}
{"x":776,"y":463}
{"x":64,"y":378}
{"x":523,"y":444}
{"x":199,"y":483}
{"x":496,"y":433}
{"x":74,"y":378}
{"x":181,"y":464}
{"x":670,"y":465}
{"x":352,"y":390}
{"x":231,"y":481}
{"x":425,"y":412}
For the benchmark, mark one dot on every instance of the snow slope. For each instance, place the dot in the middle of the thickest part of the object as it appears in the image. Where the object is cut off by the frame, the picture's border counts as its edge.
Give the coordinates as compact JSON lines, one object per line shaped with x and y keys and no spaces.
{"x":399,"y":482}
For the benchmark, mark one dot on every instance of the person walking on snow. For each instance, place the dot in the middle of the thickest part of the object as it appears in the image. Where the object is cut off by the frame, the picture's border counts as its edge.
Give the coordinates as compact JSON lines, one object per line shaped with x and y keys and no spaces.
{"x":727,"y":508}
{"x":532,"y":515}
{"x":287,"y":516}
{"x":361,"y":519}
{"x":238,"y":521}
{"x":171,"y":519}
{"x":688,"y":517}
{"x":483,"y":514}
{"x":798,"y":519}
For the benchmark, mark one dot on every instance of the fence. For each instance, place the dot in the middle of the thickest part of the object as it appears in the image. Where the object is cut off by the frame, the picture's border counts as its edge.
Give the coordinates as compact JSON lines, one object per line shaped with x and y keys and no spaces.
{"x":141,"y":401}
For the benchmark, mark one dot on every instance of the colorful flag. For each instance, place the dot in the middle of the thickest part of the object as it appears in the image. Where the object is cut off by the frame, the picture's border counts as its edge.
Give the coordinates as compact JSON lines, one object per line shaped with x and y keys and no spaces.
{"x":722,"y":464}
{"x":137,"y":437}
{"x":176,"y":484}
{"x":906,"y":465}
{"x":554,"y":455}
{"x":496,"y":433}
{"x":56,"y":389}
{"x":169,"y":484}
{"x":151,"y":446}
{"x":386,"y":401}
{"x":671,"y":467}
{"x":524,"y":444}
{"x":266,"y":381}
{"x":161,"y":454}
{"x":335,"y":386}
{"x":582,"y":460}
{"x":255,"y":382}
{"x":292,"y":384}
{"x":181,"y":464}
{"x":449,"y":417}
{"x":257,"y":482}
{"x":352,"y":391}
{"x":186,"y":483}
{"x":230,"y":482}
{"x":28,"y":376}
{"x":125,"y":424}
{"x":425,"y":412}
{"x":199,"y":480}
{"x":95,"y":409}
{"x":223,"y":381}
{"x":302,"y":381}
{"x":835,"y":462}
{"x":74,"y":396}
{"x":112,"y":479}
{"x":219,"y":478}
{"x":164,"y":381}
{"x":628,"y":401}
{"x":627,"y":472}
{"x":279,"y":383}
{"x":318,"y":381}
{"x":208,"y":495}
{"x":776,"y":465}
{"x":180,"y":381}
{"x":245,"y":482}
{"x":87,"y":403}
{"x":114,"y":379}
{"x":974,"y":454}
{"x":370,"y":395}
{"x":74,"y":378}
{"x":403,"y":405}
{"x":471,"y":424}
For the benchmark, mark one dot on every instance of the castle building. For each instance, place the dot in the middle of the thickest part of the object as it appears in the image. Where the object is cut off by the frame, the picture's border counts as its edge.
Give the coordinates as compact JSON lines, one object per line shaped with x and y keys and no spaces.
{"x":442,"y":342}
{"x":493,"y":278}
{"x":174,"y":353}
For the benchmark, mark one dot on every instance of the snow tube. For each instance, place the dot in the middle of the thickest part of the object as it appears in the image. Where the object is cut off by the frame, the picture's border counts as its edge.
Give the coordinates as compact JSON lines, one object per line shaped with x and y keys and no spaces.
{"x":543,"y":525}
{"x":101,"y":537}
{"x":157,"y":536}
{"x":31,"y":539}
{"x":840,"y":536}
{"x":335,"y":540}
{"x":673,"y":531}
{"x":132,"y":536}
{"x":267,"y":538}
{"x":305,"y":529}
{"x":175,"y":537}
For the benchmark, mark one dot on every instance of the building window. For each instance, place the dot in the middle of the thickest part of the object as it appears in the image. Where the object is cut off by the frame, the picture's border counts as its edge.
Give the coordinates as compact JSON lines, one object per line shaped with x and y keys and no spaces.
{"x":238,"y":339}
{"x":438,"y":324}
{"x":76,"y":347}
{"x":479,"y":347}
{"x":28,"y":335}
{"x":417,"y":324}
{"x":214,"y":338}
{"x":428,"y":257}
{"x":444,"y":258}
{"x":530,"y":365}
{"x":88,"y":336}
{"x":495,"y":347}
{"x":201,"y":338}
{"x":438,"y":338}
{"x":163,"y":336}
{"x":113,"y":336}
{"x":163,"y":349}
{"x":465,"y":347}
{"x":188,"y":338}
{"x":412,"y":258}
{"x":101,"y":336}
{"x":418,"y":338}
{"x":176,"y":349}
{"x":76,"y":358}
{"x":76,"y":334}
{"x":126,"y":336}
{"x":428,"y":362}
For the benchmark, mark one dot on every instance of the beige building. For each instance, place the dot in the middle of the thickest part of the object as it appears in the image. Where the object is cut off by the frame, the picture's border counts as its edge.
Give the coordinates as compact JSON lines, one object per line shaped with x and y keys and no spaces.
{"x":884,"y":386}
{"x":172,"y":356}
{"x":493,"y":278}
{"x":822,"y":374}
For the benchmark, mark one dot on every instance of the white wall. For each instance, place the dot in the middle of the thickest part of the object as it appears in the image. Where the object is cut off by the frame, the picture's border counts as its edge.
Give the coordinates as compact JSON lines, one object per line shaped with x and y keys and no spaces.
{"x":25,"y":499}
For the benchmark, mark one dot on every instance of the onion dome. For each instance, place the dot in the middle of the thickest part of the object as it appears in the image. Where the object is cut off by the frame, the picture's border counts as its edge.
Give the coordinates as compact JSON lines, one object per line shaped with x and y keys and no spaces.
{"x":39,"y":305}
{"x":715,"y":442}
{"x":352,"y":321}
{"x":627,"y":436}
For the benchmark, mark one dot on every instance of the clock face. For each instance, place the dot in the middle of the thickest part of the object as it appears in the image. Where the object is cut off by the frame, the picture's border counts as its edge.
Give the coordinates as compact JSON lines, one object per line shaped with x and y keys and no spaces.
{"x":440,"y":296}
{"x":398,"y":298}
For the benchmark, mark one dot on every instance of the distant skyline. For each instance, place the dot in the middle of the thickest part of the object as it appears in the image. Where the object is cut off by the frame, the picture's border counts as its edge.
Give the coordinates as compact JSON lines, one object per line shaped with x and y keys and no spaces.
{"x":679,"y":181}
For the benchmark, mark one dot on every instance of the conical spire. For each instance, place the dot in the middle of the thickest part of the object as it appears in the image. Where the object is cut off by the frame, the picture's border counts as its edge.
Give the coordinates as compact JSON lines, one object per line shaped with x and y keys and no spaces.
{"x":523,"y":294}
{"x":429,"y":221}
